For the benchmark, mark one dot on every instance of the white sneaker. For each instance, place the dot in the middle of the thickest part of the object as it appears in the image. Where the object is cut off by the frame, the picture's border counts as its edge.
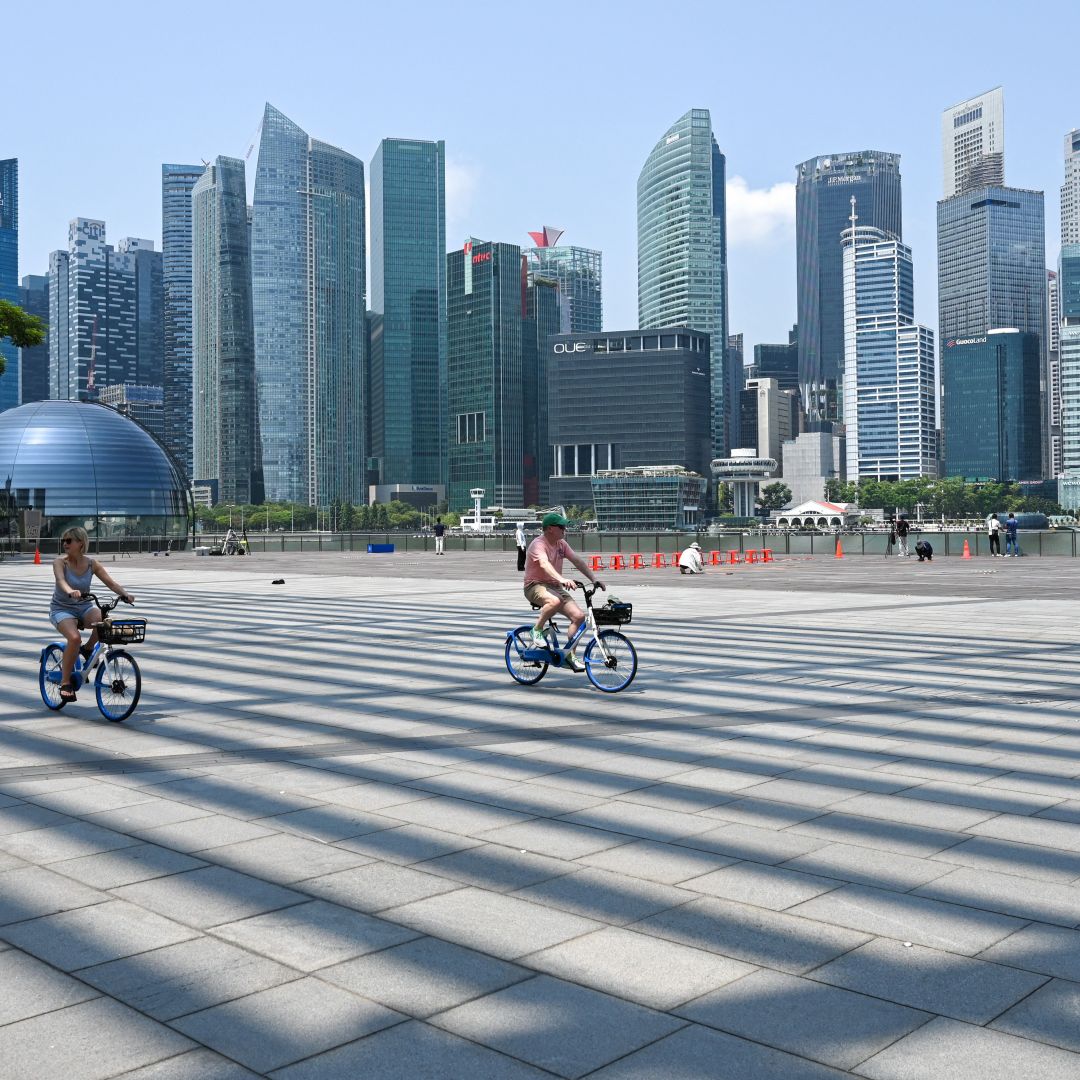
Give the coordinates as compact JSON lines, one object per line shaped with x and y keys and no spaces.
{"x":538,"y":638}
{"x":573,"y":663}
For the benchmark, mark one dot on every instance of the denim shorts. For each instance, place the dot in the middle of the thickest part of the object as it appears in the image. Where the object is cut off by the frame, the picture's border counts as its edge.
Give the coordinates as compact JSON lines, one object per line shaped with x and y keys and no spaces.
{"x":57,"y":615}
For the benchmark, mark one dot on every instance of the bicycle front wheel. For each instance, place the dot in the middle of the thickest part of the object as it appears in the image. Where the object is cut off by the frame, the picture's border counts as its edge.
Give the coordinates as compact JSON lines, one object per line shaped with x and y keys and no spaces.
{"x":616,"y":671}
{"x":118,"y":685}
{"x":526,"y":672}
{"x":52,"y":657}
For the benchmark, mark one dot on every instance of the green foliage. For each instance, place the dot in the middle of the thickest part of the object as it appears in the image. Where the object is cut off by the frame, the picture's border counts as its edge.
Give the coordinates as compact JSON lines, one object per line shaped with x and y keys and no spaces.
{"x":950,"y":497}
{"x":24,"y":330}
{"x":774,"y":496}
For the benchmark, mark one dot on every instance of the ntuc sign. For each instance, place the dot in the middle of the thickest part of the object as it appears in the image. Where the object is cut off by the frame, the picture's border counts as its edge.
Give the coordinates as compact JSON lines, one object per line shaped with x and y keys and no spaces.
{"x":571,"y":346}
{"x":481,"y":257}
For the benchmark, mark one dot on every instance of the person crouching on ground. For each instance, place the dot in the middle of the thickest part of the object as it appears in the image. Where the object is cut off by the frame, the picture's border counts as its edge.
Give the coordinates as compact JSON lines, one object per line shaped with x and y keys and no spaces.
{"x":70,"y":611}
{"x":545,"y":585}
{"x":691,"y":561}
{"x":924,"y":551}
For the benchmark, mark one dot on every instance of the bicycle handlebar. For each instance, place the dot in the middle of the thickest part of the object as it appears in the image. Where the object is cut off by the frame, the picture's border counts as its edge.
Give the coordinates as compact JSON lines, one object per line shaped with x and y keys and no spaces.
{"x":105,"y":607}
{"x":588,"y":592}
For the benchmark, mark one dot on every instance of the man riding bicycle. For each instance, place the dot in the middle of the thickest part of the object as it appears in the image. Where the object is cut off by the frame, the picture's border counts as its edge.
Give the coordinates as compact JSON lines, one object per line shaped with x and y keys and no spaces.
{"x":545,"y":586}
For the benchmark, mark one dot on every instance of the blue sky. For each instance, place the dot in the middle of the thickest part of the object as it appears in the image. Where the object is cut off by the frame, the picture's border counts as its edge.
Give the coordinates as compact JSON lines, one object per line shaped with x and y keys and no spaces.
{"x":548,"y":110}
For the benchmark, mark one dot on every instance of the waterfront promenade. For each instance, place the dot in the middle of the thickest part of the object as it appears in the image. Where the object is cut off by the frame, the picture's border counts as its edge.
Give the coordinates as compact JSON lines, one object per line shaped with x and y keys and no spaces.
{"x":832,"y":829}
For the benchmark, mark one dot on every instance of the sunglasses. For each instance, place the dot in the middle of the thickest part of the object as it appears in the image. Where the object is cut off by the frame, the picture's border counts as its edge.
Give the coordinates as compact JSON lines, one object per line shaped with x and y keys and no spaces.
{"x":69,"y":540}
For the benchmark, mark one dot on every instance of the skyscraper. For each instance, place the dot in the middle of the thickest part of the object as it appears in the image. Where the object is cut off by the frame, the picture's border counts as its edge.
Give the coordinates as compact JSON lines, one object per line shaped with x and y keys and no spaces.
{"x":541,"y":317}
{"x":1069,"y":352}
{"x":991,"y":411}
{"x":176,"y":184}
{"x":889,"y":388}
{"x":223,"y":340}
{"x":682,"y":253}
{"x":1070,"y":190}
{"x":779,"y":362}
{"x":973,"y":143}
{"x":309,"y":291}
{"x":104,"y":312}
{"x":484,"y":373}
{"x":991,"y":262}
{"x":9,"y":275}
{"x":578,"y":273}
{"x":1053,"y":370}
{"x":34,"y":362}
{"x":823,"y":192}
{"x":408,"y":304}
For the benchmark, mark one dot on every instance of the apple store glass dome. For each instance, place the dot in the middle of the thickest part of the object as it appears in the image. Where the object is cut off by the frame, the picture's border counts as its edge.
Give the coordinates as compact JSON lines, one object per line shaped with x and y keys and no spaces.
{"x":81,"y":463}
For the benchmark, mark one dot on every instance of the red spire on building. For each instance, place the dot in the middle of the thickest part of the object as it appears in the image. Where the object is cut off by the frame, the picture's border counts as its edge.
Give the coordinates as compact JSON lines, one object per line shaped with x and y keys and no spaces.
{"x":547,"y":237}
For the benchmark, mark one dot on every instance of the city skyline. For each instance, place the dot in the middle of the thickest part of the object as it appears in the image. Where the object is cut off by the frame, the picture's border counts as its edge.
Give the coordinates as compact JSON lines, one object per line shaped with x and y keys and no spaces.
{"x":496,"y":184}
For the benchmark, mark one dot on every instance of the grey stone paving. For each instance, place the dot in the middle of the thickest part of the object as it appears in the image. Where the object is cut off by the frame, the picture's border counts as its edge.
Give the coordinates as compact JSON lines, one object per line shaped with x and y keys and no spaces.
{"x":831,"y":830}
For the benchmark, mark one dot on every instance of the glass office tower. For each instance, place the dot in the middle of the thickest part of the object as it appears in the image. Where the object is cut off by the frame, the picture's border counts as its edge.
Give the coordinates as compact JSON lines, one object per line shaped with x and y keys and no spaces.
{"x":105,"y":309}
{"x":34,"y":362}
{"x":889,"y":389}
{"x":309,"y":292}
{"x":484,"y":290}
{"x":176,"y":184}
{"x":10,"y":391}
{"x":991,"y":412}
{"x":682,"y":253}
{"x":542,"y":317}
{"x":223,"y":340}
{"x":823,"y":191}
{"x":1069,"y":356}
{"x":578,"y":272}
{"x":408,"y":302}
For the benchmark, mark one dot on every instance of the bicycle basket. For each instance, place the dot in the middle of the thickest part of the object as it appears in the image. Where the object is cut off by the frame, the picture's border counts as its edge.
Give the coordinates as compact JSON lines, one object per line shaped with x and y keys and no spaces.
{"x":613,"y":613}
{"x":122,"y":631}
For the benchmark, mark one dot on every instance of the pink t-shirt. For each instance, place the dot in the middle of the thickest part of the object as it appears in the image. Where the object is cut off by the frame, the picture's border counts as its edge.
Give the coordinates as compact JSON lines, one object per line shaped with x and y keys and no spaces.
{"x":554,"y":553}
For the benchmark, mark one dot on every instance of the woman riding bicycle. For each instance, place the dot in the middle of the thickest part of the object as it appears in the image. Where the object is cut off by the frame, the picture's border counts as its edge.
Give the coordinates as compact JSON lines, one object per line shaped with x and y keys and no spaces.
{"x":70,"y":612}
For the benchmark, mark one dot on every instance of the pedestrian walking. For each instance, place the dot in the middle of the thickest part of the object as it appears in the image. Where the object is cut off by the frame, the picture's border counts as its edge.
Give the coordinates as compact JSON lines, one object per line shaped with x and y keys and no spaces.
{"x":440,"y":532}
{"x":522,"y":546}
{"x":901,"y":537}
{"x":993,"y":529}
{"x":1012,"y":540}
{"x":891,"y":538}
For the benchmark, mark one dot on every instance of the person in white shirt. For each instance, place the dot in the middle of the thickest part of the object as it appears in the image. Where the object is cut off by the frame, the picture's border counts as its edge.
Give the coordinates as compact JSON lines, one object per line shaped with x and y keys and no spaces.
{"x":993,"y":528}
{"x":522,"y":545}
{"x":691,"y":561}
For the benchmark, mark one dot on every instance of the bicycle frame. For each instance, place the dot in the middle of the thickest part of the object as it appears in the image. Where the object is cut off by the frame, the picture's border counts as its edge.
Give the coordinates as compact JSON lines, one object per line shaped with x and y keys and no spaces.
{"x":84,"y":669}
{"x":558,"y":655}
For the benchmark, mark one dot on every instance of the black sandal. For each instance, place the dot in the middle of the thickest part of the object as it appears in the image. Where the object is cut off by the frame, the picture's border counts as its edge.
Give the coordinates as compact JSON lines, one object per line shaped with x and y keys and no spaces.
{"x":85,"y":651}
{"x":67,"y":693}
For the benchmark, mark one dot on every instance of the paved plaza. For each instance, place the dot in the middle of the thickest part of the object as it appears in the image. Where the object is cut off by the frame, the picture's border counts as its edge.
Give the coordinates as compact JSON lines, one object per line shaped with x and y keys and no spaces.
{"x":831,"y":830}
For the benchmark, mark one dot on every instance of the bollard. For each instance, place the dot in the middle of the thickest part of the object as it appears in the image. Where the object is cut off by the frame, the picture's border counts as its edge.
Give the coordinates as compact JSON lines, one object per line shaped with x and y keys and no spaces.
{"x":617,"y":563}
{"x":715,"y":558}
{"x":766,"y":555}
{"x":733,"y":558}
{"x":751,"y":555}
{"x":659,"y":561}
{"x":638,"y":562}
{"x":596,"y":563}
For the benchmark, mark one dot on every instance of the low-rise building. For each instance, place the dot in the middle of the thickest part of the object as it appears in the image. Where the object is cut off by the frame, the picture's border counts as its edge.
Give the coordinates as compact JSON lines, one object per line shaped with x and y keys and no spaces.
{"x":649,"y":498}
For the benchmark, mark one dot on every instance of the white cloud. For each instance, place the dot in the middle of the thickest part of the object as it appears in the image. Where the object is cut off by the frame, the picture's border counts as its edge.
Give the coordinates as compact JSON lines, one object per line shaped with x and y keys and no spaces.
{"x":461,"y":185}
{"x":759,"y":215}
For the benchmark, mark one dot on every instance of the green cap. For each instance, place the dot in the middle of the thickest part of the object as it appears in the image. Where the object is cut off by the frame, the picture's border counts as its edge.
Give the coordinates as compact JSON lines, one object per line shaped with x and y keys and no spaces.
{"x":554,"y":519}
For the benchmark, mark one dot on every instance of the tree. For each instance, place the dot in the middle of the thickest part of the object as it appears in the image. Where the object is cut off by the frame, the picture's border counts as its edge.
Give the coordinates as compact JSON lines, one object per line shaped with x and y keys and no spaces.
{"x":24,"y":330}
{"x":774,"y":496}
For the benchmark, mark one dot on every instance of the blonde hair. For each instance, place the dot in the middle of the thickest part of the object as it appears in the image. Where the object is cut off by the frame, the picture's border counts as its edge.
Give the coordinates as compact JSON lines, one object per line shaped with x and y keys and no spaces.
{"x":77,"y":532}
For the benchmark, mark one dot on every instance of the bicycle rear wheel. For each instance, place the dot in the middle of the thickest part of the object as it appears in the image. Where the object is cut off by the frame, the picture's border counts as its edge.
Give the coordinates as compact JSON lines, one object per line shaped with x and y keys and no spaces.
{"x":617,"y":671}
{"x":118,"y":685}
{"x":49,"y":677}
{"x":526,"y":672}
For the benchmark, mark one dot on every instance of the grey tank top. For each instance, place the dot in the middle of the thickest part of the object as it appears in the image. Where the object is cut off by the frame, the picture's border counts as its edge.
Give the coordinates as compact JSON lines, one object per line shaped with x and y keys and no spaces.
{"x":76,"y":581}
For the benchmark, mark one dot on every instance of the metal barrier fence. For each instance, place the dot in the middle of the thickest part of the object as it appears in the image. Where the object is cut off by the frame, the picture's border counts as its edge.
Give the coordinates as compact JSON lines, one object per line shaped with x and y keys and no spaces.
{"x":1048,"y":542}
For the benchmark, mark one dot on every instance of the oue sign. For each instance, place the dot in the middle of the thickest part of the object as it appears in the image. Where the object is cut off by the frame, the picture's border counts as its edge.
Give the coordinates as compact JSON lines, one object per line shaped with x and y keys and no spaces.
{"x":570,"y":346}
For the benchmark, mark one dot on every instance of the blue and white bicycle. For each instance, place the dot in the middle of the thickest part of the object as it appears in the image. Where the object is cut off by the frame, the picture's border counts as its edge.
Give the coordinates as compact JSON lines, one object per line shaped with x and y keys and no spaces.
{"x":610,"y":658}
{"x":118,"y":683}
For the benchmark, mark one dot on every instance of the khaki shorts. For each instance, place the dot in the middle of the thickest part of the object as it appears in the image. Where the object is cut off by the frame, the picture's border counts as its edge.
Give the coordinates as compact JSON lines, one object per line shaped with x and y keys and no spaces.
{"x":536,"y":593}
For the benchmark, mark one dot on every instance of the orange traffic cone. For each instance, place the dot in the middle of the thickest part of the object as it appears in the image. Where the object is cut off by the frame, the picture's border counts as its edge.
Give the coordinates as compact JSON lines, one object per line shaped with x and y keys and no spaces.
{"x":37,"y":556}
{"x":967,"y":551}
{"x":839,"y":549}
